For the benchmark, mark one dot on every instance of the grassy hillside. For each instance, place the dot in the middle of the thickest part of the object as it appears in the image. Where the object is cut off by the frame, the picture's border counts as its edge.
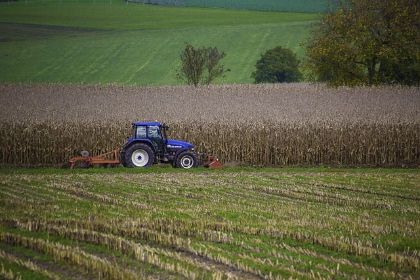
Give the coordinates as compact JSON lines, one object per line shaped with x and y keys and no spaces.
{"x":104,"y":42}
{"x":160,"y":223}
{"x":265,"y":5}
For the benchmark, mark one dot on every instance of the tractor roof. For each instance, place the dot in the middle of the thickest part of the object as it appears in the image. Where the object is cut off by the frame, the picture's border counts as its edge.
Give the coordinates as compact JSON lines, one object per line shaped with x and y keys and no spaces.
{"x":147,"y":123}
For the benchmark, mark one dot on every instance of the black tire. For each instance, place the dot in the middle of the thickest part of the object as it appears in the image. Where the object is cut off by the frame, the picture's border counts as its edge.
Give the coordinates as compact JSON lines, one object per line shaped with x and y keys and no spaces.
{"x":138,"y":155}
{"x":122,"y":158}
{"x":186,"y":160}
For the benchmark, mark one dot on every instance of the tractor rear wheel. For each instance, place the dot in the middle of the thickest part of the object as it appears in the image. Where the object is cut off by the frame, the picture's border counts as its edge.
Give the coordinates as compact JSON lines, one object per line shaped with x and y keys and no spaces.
{"x":139,"y":155}
{"x":186,"y":160}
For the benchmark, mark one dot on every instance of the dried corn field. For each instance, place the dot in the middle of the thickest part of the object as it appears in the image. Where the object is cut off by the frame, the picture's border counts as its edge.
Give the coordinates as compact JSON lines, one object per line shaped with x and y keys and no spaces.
{"x":265,"y":125}
{"x":246,"y":224}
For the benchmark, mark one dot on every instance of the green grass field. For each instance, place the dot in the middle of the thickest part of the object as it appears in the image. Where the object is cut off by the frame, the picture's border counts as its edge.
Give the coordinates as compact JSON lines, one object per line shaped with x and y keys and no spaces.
{"x":237,"y":223}
{"x":112,"y":42}
{"x":265,"y":5}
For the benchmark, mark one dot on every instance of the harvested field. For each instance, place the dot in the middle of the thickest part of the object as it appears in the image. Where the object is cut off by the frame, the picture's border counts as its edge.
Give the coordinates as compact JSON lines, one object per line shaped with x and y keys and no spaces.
{"x":296,"y":124}
{"x":249,"y":223}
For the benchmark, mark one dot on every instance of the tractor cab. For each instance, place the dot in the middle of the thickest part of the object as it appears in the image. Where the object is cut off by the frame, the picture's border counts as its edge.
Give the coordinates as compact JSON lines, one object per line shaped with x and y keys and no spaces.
{"x":155,"y":132}
{"x":149,"y":144}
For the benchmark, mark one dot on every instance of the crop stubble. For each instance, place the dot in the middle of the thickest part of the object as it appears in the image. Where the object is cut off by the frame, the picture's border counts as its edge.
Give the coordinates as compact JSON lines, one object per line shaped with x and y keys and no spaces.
{"x":294,"y":124}
{"x":225,"y":225}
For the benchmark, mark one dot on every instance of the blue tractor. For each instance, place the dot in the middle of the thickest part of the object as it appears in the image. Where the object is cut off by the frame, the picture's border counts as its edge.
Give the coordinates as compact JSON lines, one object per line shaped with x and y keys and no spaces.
{"x":147,"y":145}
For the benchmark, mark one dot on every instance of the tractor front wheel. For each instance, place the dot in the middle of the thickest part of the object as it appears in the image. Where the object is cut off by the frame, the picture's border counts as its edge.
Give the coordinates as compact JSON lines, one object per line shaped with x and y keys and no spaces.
{"x":186,"y":160}
{"x":139,"y":155}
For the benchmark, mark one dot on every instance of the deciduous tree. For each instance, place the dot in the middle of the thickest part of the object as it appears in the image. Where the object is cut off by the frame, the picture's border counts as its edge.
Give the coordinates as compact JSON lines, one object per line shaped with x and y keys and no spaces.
{"x":367,"y":42}
{"x":201,"y":65}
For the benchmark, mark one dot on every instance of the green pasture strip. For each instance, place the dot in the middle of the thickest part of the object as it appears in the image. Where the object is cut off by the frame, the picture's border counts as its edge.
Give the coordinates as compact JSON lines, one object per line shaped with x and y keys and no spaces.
{"x":120,"y":16}
{"x":149,"y":57}
{"x":270,"y":5}
{"x":299,"y":6}
{"x":81,"y":42}
{"x":15,"y":32}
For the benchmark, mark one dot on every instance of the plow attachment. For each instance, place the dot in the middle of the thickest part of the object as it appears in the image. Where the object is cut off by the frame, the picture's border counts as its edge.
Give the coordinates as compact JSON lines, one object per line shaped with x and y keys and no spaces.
{"x":110,"y":159}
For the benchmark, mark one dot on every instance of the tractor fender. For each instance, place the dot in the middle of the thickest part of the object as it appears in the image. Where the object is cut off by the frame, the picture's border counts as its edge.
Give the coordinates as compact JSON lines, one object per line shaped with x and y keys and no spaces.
{"x":135,"y":141}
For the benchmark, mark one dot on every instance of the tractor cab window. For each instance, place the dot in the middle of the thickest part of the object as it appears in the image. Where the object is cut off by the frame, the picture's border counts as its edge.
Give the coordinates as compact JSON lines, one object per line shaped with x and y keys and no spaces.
{"x":140,"y":132}
{"x":154,"y":132}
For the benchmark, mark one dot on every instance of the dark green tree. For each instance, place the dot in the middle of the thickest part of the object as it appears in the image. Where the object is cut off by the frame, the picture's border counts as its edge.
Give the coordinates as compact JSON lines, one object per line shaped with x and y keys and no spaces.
{"x":201,"y":65}
{"x":277,"y":65}
{"x":367,"y":42}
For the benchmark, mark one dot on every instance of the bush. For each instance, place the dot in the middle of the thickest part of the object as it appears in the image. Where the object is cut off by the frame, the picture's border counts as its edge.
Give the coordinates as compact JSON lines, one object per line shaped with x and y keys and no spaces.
{"x":277,"y":65}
